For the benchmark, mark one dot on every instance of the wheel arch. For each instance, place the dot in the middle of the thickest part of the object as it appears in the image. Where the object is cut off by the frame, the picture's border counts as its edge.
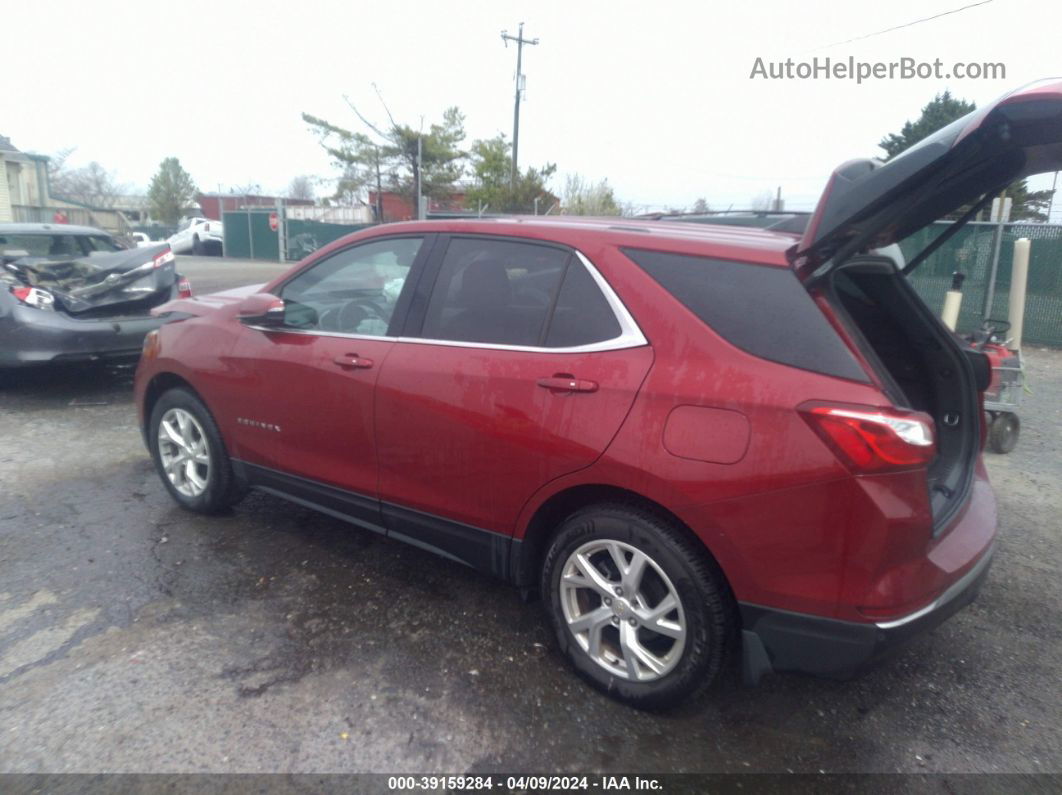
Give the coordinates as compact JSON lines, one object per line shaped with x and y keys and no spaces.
{"x":528,"y":552}
{"x":160,"y":384}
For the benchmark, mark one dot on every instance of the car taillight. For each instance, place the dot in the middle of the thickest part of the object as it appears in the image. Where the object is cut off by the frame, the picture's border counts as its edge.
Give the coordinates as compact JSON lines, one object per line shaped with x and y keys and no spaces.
{"x":35,"y":297}
{"x":164,"y":258}
{"x":871,"y":439}
{"x":184,"y":287}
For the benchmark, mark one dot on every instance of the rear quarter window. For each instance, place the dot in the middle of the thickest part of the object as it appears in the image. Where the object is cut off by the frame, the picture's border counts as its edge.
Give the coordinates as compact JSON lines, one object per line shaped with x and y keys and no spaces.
{"x":764,"y":310}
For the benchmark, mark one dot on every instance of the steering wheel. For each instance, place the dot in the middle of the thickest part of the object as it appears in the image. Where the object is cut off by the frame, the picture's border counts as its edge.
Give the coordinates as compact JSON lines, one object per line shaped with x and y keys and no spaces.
{"x":351,"y":315}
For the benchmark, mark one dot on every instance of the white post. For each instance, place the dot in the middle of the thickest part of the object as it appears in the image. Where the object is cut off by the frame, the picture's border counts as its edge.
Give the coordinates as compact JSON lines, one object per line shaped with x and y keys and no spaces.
{"x":952,"y":305}
{"x":953,"y":301}
{"x":1019,"y":281}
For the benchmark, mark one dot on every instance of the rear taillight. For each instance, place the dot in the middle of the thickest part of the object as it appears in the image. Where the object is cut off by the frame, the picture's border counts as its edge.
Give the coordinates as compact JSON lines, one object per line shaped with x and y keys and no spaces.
{"x":869,"y":439}
{"x":184,"y":287}
{"x":163,"y":258}
{"x":35,"y":297}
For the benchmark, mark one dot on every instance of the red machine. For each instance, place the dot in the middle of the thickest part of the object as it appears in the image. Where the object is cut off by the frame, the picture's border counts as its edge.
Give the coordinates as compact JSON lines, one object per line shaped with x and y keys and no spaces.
{"x":1003,"y":396}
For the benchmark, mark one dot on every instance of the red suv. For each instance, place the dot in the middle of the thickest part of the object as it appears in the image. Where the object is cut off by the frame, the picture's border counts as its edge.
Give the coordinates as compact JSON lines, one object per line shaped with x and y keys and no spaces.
{"x":680,"y":435}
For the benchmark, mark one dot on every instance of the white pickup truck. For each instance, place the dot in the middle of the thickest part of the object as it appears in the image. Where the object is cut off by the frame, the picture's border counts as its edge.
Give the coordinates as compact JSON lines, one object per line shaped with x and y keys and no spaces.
{"x":197,"y":236}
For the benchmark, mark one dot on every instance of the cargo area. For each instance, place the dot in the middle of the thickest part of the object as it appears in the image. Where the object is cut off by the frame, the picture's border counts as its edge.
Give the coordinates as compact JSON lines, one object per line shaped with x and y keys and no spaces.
{"x":920,"y":363}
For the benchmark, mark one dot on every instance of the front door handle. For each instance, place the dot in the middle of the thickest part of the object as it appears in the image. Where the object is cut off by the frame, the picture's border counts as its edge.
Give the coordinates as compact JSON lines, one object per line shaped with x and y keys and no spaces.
{"x":565,"y":382}
{"x":353,"y":360}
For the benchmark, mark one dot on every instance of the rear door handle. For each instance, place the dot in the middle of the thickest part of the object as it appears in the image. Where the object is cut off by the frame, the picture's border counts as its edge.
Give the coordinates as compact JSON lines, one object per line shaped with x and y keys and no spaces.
{"x":563,"y":382}
{"x":352,"y":360}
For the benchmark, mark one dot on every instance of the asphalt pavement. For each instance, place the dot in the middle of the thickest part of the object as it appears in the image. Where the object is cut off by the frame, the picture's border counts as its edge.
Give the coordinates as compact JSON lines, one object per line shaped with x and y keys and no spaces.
{"x":136,"y":637}
{"x":211,"y":274}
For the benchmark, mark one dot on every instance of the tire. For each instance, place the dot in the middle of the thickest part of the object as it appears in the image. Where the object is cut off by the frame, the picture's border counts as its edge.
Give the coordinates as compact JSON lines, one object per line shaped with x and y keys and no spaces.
{"x":208,"y":485}
{"x":197,"y":246}
{"x":1003,"y":433}
{"x":676,"y":567}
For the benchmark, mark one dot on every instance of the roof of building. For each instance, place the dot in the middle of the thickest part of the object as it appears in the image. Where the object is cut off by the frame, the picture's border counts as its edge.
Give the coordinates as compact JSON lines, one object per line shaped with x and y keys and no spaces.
{"x":11,"y":152}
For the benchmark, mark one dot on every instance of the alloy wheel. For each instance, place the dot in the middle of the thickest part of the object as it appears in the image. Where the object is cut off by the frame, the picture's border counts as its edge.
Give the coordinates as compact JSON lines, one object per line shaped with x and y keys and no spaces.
{"x":623,"y":610}
{"x":184,"y":452}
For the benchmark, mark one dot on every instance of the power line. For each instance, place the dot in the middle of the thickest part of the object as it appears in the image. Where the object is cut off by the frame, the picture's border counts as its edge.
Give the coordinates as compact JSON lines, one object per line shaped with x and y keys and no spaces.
{"x":905,"y":25}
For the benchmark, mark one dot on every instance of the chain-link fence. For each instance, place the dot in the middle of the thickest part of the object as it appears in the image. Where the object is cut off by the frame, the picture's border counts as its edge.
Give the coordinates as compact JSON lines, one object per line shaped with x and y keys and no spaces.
{"x":970,"y":252}
{"x":303,"y":237}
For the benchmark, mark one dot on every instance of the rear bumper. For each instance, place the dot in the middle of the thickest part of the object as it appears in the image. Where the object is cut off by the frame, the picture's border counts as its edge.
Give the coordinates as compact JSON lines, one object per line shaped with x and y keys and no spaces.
{"x":776,"y":640}
{"x":55,"y":338}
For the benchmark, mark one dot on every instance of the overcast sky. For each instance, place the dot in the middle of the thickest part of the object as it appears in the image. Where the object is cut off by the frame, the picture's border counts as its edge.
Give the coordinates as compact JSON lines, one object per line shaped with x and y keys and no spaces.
{"x":656,"y":97}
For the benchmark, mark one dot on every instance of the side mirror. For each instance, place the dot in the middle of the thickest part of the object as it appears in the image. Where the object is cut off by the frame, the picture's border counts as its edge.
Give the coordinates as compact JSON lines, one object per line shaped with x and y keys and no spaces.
{"x":261,"y":309}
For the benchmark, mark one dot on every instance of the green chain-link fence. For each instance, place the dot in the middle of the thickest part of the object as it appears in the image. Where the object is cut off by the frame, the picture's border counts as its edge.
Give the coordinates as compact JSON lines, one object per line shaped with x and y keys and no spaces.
{"x":970,"y":252}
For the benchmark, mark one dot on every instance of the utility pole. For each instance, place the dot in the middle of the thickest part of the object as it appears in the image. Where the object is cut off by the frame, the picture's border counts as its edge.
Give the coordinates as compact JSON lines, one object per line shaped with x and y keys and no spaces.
{"x":420,"y":191}
{"x":520,"y":42}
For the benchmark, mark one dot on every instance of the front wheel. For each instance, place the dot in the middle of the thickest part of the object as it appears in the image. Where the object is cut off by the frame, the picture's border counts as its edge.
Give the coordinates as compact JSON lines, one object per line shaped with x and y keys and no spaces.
{"x":640,"y":611}
{"x":189,"y":454}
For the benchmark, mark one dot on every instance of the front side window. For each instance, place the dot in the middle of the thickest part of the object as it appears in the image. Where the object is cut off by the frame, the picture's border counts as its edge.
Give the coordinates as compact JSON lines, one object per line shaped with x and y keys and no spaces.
{"x":354,"y":291}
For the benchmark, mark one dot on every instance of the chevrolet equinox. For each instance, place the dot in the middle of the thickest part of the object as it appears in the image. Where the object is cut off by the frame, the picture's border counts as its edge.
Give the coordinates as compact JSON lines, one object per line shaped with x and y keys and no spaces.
{"x":685,"y":437}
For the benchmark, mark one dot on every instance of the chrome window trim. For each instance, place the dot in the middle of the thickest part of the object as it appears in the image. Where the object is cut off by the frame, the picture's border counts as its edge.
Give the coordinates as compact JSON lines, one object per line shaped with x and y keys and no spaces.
{"x":630,"y":335}
{"x":316,"y":333}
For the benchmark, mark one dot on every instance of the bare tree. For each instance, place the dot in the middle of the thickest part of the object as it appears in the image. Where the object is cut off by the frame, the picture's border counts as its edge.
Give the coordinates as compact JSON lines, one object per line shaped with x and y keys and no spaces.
{"x":301,"y":187}
{"x":92,"y":184}
{"x":250,"y":189}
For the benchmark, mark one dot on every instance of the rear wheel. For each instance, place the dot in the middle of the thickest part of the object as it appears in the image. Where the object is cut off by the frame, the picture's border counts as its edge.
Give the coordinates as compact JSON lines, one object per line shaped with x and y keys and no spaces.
{"x":1003,"y":433}
{"x":640,"y":611}
{"x":189,"y":454}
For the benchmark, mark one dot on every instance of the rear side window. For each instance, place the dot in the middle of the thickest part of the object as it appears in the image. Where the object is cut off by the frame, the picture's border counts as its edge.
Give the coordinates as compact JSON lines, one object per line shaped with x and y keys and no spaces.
{"x":582,"y":316}
{"x":763,"y":310}
{"x":505,"y":292}
{"x":494,"y":291}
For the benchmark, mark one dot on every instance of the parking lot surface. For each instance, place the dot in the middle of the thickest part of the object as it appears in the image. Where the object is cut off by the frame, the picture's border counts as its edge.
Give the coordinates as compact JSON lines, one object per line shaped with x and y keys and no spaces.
{"x":136,"y":637}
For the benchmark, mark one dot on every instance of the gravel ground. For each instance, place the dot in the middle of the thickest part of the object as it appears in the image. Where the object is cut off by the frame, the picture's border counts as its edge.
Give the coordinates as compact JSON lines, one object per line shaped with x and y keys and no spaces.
{"x":135,"y":637}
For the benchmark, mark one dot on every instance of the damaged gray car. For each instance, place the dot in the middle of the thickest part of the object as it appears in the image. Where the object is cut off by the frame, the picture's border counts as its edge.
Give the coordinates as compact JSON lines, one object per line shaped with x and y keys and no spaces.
{"x":74,"y":294}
